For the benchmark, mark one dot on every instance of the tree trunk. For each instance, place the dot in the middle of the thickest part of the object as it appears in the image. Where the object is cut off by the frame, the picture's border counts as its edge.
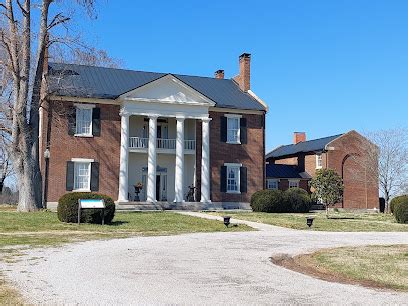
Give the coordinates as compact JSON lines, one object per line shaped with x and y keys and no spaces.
{"x":327,"y":211}
{"x":27,"y":185}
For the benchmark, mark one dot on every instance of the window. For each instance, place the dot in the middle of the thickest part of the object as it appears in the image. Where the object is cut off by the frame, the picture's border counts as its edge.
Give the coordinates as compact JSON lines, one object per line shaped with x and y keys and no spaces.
{"x":233,"y":130}
{"x":272,"y":184}
{"x":293,"y":184}
{"x":319,"y":161}
{"x":83,"y":121}
{"x":233,"y":178}
{"x":82,"y":175}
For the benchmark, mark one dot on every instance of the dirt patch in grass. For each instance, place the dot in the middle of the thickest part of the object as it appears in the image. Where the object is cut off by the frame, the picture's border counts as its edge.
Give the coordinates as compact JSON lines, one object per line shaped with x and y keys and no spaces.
{"x":9,"y":295}
{"x":380,"y":267}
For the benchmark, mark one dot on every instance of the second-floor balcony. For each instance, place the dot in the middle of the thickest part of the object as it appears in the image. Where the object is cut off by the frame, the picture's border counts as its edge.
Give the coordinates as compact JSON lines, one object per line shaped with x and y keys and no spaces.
{"x":139,"y":143}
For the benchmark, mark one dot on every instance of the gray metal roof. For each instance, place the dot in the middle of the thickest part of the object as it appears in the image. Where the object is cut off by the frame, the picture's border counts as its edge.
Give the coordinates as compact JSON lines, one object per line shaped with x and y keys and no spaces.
{"x":109,"y":83}
{"x":282,"y":171}
{"x":301,"y":147}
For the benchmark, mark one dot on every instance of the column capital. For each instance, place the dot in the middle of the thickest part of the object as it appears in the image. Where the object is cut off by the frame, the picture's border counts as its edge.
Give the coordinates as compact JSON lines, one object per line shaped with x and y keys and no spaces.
{"x":124,"y":113}
{"x":153,"y":117}
{"x":206,"y":119}
{"x":181,"y":119}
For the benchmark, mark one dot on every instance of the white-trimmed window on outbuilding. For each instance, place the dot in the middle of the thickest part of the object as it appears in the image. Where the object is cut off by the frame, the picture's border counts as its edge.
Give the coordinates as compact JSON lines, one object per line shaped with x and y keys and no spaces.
{"x":272,"y":184}
{"x":233,"y":178}
{"x":319,"y":161}
{"x":84,"y":120}
{"x":82,"y":175}
{"x":293,"y":183}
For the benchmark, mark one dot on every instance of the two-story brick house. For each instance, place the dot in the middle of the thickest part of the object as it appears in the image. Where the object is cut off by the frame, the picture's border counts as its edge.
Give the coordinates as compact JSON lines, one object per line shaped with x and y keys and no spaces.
{"x":105,"y":130}
{"x":350,"y":154}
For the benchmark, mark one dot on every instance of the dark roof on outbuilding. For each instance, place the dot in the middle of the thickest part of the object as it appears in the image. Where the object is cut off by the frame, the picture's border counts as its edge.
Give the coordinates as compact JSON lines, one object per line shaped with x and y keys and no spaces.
{"x":282,"y":171}
{"x":302,"y":147}
{"x":109,"y":83}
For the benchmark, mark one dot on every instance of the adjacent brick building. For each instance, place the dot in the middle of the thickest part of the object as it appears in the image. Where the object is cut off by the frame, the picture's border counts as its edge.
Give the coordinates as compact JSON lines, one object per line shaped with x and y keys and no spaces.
{"x":351,"y":155}
{"x":107,"y":129}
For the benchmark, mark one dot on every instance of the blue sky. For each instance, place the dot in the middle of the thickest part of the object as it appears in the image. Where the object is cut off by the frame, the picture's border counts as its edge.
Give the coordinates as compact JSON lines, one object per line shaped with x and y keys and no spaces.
{"x":323,"y":67}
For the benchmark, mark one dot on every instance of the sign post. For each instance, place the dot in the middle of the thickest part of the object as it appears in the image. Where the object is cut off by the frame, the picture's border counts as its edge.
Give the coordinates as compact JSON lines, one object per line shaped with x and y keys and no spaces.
{"x":91,"y":203}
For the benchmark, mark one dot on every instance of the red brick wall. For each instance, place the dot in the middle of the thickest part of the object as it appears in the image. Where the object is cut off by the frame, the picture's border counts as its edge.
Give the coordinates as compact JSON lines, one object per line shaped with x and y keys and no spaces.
{"x":360,"y":181}
{"x":251,"y":155}
{"x":105,"y":149}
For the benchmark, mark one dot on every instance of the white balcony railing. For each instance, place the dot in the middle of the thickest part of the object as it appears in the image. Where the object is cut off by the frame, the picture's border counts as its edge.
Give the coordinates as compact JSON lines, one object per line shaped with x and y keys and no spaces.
{"x":162,"y":143}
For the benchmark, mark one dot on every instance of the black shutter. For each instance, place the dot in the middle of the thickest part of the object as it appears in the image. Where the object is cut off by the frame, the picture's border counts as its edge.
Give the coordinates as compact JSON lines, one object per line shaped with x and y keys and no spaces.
{"x":223,"y":129}
{"x":243,"y":179}
{"x":96,"y":121}
{"x":223,"y":182}
{"x":71,"y":120}
{"x":70,"y":176}
{"x":95,"y":176}
{"x":243,"y":131}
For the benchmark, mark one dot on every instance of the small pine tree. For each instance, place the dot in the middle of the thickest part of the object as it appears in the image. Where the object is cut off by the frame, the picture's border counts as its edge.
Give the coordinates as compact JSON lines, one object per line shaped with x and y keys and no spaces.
{"x":327,"y":187}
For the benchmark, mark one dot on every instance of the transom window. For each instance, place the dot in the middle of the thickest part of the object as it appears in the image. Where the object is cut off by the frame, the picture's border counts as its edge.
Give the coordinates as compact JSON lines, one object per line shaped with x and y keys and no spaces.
{"x":82,"y":175}
{"x":83,"y":121}
{"x":319,"y":161}
{"x":233,"y":179}
{"x":293,"y":184}
{"x":233,"y":130}
{"x":272,"y":184}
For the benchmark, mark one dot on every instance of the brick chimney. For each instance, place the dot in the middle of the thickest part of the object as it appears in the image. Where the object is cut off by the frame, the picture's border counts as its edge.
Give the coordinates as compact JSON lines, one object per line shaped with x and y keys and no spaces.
{"x":299,"y":137}
{"x":244,"y":77}
{"x":219,"y":74}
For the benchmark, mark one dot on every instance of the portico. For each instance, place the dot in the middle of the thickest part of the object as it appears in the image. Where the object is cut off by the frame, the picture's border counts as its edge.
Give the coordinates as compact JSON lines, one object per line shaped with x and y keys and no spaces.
{"x":167,"y":100}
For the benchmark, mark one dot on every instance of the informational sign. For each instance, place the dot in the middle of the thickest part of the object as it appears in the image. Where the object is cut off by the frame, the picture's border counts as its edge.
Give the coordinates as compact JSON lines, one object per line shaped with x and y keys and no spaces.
{"x":91,"y":203}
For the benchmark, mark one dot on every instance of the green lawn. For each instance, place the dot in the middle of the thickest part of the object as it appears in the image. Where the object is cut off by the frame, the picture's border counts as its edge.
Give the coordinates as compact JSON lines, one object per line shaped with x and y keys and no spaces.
{"x":338,"y":222}
{"x":385,"y":266}
{"x":43,"y":227}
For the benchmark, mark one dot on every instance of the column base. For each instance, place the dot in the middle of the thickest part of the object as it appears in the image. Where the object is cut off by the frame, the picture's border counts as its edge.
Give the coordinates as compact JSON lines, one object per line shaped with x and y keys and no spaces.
{"x":203,"y":201}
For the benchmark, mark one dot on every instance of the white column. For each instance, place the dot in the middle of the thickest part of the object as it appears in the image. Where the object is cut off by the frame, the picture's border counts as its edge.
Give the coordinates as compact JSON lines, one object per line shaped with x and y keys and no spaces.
{"x":205,"y":162}
{"x":124,"y":158}
{"x":151,"y":160}
{"x":179,"y":171}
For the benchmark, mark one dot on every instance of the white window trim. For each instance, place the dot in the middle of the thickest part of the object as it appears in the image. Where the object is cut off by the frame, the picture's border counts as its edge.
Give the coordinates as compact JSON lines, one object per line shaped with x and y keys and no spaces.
{"x":317,"y":161}
{"x":83,"y":106}
{"x":294,"y":181}
{"x":272,"y":180}
{"x":234,"y":165}
{"x":89,"y":162}
{"x":234,"y":116}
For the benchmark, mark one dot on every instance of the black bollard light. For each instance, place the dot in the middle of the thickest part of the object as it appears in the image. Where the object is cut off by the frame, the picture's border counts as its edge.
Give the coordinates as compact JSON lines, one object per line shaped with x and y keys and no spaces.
{"x":309,"y":221}
{"x":227,"y":220}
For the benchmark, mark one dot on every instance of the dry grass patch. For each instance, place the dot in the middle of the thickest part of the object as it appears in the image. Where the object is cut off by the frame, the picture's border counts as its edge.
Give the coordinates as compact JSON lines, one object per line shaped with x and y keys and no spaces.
{"x":384,"y":267}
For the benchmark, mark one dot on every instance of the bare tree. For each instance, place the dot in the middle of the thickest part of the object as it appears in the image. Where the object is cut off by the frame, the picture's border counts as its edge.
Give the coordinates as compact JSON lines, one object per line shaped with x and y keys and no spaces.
{"x":26,"y":72}
{"x":392,"y":160}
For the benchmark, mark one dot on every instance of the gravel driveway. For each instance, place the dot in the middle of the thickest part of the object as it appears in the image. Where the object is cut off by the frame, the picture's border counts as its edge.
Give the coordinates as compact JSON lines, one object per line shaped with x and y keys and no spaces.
{"x":205,"y":268}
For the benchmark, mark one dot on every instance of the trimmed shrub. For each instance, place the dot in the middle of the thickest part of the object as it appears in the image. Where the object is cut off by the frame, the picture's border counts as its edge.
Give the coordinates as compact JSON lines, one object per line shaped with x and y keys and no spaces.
{"x":401,"y":211}
{"x":68,"y":208}
{"x":298,"y":200}
{"x":270,"y":201}
{"x":397,"y":200}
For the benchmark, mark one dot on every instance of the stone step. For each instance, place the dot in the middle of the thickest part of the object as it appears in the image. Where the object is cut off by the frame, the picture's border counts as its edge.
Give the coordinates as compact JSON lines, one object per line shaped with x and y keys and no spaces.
{"x":192,"y":206}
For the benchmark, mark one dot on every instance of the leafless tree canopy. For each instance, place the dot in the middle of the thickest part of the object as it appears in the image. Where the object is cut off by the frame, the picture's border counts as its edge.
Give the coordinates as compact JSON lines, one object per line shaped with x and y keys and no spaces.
{"x":392,"y":160}
{"x":24,"y":27}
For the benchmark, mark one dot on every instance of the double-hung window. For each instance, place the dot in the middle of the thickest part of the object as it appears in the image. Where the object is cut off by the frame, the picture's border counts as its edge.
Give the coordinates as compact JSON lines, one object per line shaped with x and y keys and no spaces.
{"x":82,"y":175}
{"x":83,"y":121}
{"x":319,"y":161}
{"x":233,"y":178}
{"x":272,"y":184}
{"x":233,"y":129}
{"x":293,"y":183}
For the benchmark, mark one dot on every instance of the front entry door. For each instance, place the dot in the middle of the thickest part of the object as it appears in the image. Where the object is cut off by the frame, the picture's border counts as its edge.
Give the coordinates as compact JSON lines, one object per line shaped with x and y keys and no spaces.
{"x":158,"y":198}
